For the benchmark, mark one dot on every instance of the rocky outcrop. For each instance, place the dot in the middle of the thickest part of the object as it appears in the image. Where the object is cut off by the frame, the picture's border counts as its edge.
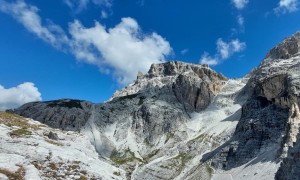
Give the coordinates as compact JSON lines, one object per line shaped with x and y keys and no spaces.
{"x":193,"y":85}
{"x":65,"y":114}
{"x":269,"y":116}
{"x":289,"y":168}
{"x":286,"y":49}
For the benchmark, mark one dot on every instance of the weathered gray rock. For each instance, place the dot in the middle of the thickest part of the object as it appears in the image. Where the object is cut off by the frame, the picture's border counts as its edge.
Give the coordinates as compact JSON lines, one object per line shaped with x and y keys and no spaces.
{"x":286,"y":49}
{"x":65,"y":114}
{"x":269,"y":116}
{"x":53,"y":135}
{"x":193,"y":85}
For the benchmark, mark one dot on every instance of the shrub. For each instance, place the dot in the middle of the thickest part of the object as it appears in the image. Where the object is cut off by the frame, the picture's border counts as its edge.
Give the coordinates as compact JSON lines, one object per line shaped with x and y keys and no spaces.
{"x":20,"y":132}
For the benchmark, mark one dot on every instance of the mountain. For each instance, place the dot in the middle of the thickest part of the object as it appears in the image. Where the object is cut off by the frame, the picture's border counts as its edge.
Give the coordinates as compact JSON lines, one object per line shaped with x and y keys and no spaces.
{"x":185,"y":121}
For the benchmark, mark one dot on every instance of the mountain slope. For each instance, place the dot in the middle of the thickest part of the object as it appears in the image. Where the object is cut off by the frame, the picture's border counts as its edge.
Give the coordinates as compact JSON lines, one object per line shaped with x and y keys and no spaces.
{"x":31,"y":150}
{"x":185,"y":121}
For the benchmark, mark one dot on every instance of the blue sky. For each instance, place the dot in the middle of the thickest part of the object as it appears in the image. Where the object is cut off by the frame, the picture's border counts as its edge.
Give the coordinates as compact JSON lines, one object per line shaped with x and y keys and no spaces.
{"x":87,"y":49}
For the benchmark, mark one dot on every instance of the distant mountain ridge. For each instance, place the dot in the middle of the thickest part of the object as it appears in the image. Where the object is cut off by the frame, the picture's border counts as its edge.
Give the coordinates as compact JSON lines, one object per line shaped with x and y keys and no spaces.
{"x":185,"y":121}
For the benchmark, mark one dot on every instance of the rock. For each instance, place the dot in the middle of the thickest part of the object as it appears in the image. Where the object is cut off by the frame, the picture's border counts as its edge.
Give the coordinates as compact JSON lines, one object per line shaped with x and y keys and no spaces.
{"x":286,"y":49}
{"x":140,"y":75}
{"x":66,"y":114}
{"x":270,"y":114}
{"x":193,"y":85}
{"x":52,"y":135}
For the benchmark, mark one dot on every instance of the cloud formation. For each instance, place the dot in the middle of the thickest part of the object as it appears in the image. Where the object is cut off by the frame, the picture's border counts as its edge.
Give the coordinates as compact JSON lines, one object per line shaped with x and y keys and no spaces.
{"x":240,"y":20}
{"x":125,"y":47}
{"x":184,"y":51}
{"x":240,"y":4}
{"x":79,"y":5}
{"x":286,"y":6}
{"x":207,"y":59}
{"x":28,"y":17}
{"x":224,"y":51}
{"x":17,"y":96}
{"x":122,"y":50}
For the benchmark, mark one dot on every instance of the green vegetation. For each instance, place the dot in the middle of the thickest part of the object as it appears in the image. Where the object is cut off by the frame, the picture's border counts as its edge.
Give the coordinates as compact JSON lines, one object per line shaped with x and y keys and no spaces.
{"x":54,"y":142}
{"x":150,"y":155}
{"x":169,"y":136}
{"x":37,"y":165}
{"x":73,"y":167}
{"x":199,"y":138}
{"x":177,"y":162}
{"x":10,"y":120}
{"x":18,"y":175}
{"x":117,"y":173}
{"x":20,"y":132}
{"x":83,"y":177}
{"x":53,"y":166}
{"x":184,"y":157}
{"x":209,"y":169}
{"x":65,"y":103}
{"x":122,"y":158}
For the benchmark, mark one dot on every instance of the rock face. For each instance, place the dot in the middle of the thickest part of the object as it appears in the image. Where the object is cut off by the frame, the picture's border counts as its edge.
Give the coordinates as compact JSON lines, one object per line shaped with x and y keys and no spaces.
{"x":269,"y":120}
{"x":193,"y":85}
{"x":66,"y":114}
{"x":185,"y":121}
{"x":286,"y":49}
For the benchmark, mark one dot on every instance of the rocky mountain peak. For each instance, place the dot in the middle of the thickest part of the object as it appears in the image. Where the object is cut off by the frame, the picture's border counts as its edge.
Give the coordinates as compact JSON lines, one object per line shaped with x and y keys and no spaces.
{"x":172,"y":68}
{"x":287,"y":48}
{"x":165,"y":74}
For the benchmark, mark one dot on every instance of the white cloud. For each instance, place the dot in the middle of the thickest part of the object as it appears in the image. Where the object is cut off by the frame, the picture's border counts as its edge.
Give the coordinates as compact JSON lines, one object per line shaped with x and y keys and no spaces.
{"x":224,"y":51}
{"x":237,"y":46}
{"x":17,"y":96}
{"x":104,"y":14}
{"x":28,"y":17}
{"x":286,"y":6}
{"x":240,"y":4}
{"x":207,"y":59}
{"x":124,"y":48}
{"x":184,"y":51}
{"x":240,"y":20}
{"x":80,"y":5}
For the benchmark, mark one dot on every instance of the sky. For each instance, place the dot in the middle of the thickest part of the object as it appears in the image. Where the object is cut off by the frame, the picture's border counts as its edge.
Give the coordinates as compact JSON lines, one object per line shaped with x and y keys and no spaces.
{"x":88,"y":49}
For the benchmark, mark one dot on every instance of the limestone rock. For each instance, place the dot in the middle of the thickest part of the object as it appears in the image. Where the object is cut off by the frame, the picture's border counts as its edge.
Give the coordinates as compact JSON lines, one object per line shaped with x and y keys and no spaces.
{"x":286,"y":49}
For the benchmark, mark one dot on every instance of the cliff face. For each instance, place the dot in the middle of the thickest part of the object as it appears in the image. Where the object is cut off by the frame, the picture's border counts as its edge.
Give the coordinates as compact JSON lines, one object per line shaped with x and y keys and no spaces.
{"x":185,"y":121}
{"x":286,"y":49}
{"x":66,"y":114}
{"x":269,"y":122}
{"x":193,"y":85}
